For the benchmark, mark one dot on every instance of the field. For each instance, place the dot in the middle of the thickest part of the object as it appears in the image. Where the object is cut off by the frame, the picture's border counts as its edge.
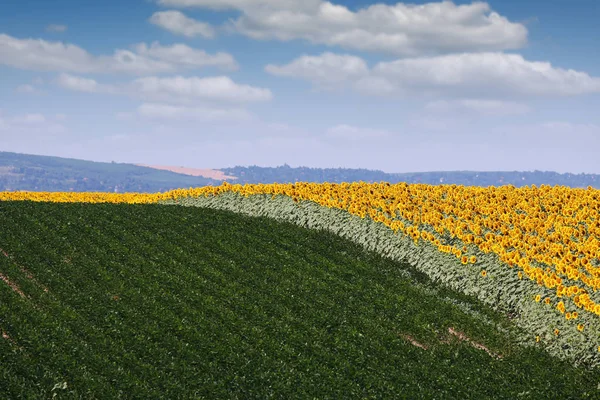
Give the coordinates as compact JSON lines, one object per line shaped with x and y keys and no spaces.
{"x":306,"y":290}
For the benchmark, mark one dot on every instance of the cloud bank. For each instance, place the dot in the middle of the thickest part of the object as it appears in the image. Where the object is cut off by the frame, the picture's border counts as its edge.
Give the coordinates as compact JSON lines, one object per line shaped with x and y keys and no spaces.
{"x":397,"y":29}
{"x":176,"y":22}
{"x":465,"y":74}
{"x":43,"y":55}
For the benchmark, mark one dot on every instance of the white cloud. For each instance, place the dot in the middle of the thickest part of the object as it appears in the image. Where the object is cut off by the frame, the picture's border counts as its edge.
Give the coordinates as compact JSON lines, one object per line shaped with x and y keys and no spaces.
{"x":25,"y":89}
{"x":466,"y":74}
{"x":176,"y":89}
{"x":176,"y":22}
{"x":400,"y":29}
{"x":79,"y":84}
{"x":42,"y":55}
{"x":202,"y":114}
{"x":353,"y":133}
{"x":325,"y":70}
{"x":186,"y":56}
{"x":376,"y":86}
{"x":478,"y":106}
{"x":240,"y":4}
{"x":56,"y":28}
{"x":219,"y":88}
{"x":484,"y":72}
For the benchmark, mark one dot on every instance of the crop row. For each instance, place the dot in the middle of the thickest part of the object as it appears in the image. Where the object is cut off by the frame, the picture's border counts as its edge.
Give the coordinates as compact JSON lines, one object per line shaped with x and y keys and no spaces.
{"x":547,"y":235}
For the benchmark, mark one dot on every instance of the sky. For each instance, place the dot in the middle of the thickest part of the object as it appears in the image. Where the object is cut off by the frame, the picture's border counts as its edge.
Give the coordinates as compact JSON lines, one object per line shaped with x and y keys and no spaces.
{"x":504,"y":85}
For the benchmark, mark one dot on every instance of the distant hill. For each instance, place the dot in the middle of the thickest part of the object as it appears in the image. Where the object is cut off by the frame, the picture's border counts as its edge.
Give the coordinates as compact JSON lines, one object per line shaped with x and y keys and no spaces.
{"x":207,"y":173}
{"x":54,"y":174}
{"x":44,"y":173}
{"x":286,"y":174}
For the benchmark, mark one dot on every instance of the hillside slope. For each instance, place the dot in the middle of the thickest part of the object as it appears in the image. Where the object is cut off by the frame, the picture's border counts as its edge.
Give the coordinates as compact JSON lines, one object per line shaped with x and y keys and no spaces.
{"x":149,"y":301}
{"x":56,"y":174}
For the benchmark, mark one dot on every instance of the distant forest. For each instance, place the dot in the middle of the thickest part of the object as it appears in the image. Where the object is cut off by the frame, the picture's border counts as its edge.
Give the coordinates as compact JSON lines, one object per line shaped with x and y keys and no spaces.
{"x":286,"y":173}
{"x":52,"y":174}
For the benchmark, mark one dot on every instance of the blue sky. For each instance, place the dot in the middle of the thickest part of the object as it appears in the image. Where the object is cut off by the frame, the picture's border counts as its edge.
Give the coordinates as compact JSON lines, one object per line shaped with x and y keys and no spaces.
{"x":401,"y":87}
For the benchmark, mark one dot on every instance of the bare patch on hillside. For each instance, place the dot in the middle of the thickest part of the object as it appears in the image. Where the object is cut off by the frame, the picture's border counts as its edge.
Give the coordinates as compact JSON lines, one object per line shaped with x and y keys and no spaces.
{"x":12,"y":285}
{"x":461,"y":336}
{"x":413,"y":341}
{"x":446,"y":340}
{"x":206,"y":173}
{"x":7,"y":337}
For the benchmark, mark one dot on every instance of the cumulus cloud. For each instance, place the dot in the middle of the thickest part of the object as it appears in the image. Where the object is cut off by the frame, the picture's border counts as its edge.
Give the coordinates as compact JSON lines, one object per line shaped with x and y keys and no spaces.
{"x":465,"y":74}
{"x":219,"y":88}
{"x":56,"y":28}
{"x":181,"y":113}
{"x":176,"y":22}
{"x":80,"y":84}
{"x":186,"y":56}
{"x":176,"y":89}
{"x":241,"y":4}
{"x":42,"y":55}
{"x":478,"y":106}
{"x":325,"y":70}
{"x":400,"y":29}
{"x":498,"y":72}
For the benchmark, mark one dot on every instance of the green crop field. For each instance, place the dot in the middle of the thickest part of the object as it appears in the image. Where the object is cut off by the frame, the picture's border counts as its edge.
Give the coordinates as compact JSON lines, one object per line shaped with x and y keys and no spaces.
{"x":152,"y":301}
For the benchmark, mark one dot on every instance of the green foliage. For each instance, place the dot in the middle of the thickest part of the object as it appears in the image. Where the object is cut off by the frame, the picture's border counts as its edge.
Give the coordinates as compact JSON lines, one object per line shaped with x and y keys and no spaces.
{"x":500,"y":288}
{"x":148,"y":301}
